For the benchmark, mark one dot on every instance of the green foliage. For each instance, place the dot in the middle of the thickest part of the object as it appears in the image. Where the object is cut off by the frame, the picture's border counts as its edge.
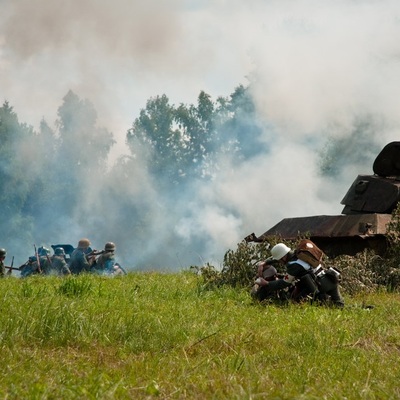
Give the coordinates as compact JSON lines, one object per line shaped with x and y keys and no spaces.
{"x":75,"y":286}
{"x":364,"y":272}
{"x":185,"y":142}
{"x":368,"y":271}
{"x":16,"y":150}
{"x":393,"y":236}
{"x":154,"y":136}
{"x":54,"y":176}
{"x":48,"y":170}
{"x":239,"y":266}
{"x":80,"y":136}
{"x":82,"y":151}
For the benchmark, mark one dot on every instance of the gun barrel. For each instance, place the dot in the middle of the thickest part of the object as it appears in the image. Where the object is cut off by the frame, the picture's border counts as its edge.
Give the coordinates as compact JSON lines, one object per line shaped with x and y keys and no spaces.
{"x":95,"y":253}
{"x":12,"y":268}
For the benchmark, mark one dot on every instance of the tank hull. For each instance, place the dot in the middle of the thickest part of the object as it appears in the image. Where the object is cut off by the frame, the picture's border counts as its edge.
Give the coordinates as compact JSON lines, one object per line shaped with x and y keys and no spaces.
{"x":337,"y":234}
{"x":368,"y":207}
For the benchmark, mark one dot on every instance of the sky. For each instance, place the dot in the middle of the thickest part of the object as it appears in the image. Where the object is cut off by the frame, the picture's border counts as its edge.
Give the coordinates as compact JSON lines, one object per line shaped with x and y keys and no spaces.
{"x":315,"y":67}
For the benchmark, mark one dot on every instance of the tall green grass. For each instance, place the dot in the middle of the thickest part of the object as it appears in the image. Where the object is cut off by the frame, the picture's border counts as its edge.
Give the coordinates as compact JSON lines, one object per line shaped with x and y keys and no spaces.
{"x":166,"y":336}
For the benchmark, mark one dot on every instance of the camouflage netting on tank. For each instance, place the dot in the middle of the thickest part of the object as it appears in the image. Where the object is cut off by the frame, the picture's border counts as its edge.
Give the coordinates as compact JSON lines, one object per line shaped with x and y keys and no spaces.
{"x":365,"y":272}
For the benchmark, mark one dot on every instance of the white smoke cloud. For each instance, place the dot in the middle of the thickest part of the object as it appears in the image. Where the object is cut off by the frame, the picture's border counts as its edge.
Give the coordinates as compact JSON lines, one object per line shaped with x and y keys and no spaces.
{"x":315,"y":66}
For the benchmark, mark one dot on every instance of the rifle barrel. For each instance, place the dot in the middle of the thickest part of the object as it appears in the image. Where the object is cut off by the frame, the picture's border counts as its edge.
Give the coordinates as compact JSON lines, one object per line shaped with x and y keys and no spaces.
{"x":12,"y":268}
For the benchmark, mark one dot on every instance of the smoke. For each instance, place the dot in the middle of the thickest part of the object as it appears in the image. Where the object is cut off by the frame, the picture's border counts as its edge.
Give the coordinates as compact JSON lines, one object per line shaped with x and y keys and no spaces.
{"x":322,"y":73}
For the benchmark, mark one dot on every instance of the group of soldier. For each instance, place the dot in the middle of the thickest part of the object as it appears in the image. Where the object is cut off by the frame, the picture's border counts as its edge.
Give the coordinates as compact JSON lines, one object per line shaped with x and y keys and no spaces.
{"x":82,"y":260}
{"x":305,"y":278}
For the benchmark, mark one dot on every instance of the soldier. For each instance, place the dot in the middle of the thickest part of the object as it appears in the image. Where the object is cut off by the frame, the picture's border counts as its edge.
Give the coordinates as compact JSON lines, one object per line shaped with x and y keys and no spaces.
{"x":3,"y":254}
{"x":81,"y":261}
{"x":43,"y":254}
{"x":261,"y":290}
{"x":105,"y":264}
{"x":30,"y":267}
{"x":56,"y":264}
{"x":309,"y":282}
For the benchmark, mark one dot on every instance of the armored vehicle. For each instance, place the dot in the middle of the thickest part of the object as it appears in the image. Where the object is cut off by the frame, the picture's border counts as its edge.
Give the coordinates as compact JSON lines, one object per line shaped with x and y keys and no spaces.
{"x":368,"y":205}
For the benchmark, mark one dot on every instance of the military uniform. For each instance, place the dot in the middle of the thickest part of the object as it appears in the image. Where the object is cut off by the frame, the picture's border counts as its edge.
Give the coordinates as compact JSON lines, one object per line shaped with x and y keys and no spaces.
{"x":3,"y":254}
{"x":56,"y":265}
{"x":79,"y":261}
{"x":105,"y":263}
{"x":308,"y":282}
{"x":262,"y":290}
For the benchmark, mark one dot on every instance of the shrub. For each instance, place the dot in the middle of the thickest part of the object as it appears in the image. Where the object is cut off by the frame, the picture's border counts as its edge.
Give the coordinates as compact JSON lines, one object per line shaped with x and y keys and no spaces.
{"x":364,"y":272}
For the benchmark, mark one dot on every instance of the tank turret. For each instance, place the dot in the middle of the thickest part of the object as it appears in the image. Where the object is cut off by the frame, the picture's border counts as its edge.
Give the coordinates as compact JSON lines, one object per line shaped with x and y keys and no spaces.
{"x":378,"y":193}
{"x":368,"y":205}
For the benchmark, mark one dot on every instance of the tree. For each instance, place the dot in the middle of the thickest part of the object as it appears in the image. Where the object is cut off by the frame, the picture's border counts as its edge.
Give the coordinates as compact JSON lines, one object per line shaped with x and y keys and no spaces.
{"x":179,"y":144}
{"x":153,"y":136}
{"x":16,"y":154}
{"x":239,"y":127}
{"x":84,"y":145}
{"x":82,"y":151}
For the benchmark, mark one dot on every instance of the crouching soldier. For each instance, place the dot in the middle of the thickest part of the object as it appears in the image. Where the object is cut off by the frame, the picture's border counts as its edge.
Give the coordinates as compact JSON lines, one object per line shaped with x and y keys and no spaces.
{"x":106,"y":264}
{"x":81,"y":260}
{"x":34,"y":265}
{"x":328,"y":282}
{"x":308,"y":282}
{"x":262,"y":290}
{"x":56,"y":264}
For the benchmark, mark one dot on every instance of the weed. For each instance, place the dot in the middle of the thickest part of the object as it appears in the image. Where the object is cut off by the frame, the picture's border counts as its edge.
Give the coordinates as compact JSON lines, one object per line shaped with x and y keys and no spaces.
{"x":75,"y":286}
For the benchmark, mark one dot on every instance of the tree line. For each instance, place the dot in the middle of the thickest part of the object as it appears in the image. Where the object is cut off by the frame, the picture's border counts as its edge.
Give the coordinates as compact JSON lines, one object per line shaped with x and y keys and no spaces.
{"x":57,"y":179}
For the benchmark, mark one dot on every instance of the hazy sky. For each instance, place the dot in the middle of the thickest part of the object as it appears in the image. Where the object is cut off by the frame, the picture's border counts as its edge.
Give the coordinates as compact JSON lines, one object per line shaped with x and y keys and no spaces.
{"x":316,"y":66}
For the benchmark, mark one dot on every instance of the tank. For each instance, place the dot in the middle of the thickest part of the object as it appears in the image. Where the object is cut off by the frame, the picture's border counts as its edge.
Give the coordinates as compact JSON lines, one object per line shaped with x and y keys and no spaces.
{"x":368,"y":206}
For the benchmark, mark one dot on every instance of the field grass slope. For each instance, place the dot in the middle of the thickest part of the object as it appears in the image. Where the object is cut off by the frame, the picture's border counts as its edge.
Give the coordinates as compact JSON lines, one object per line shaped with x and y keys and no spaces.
{"x":167,"y":336}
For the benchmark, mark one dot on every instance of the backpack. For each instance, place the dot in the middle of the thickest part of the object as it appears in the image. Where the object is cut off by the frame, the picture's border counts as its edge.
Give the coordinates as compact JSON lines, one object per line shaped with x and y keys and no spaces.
{"x":309,"y":252}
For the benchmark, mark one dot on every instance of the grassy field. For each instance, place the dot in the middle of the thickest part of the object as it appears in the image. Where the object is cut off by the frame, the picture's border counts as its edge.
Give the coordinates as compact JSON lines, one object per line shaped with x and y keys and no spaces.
{"x":153,"y":335}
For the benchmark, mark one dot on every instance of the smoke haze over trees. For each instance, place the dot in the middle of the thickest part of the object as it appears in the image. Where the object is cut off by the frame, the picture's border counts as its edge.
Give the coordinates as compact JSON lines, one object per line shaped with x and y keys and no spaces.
{"x":152,"y":202}
{"x":61,"y":187}
{"x":131,"y":122}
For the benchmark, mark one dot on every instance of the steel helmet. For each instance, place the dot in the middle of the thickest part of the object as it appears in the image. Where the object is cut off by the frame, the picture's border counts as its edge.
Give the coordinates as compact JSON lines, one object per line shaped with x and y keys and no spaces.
{"x":110,"y":246}
{"x":3,"y":252}
{"x":59,"y":251}
{"x":43,"y":251}
{"x":84,"y":243}
{"x":279,"y":250}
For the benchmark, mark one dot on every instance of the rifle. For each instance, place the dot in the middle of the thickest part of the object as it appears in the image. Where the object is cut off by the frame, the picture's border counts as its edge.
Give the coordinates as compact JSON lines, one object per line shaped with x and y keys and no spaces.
{"x":120,"y":267}
{"x":11,"y":267}
{"x":37,"y":259}
{"x":26,"y":263}
{"x":91,"y":257}
{"x":49,"y":261}
{"x":95,"y":253}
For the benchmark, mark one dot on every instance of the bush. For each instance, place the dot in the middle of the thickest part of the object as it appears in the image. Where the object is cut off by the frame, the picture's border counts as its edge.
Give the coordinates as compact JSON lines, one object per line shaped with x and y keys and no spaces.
{"x":364,"y":272}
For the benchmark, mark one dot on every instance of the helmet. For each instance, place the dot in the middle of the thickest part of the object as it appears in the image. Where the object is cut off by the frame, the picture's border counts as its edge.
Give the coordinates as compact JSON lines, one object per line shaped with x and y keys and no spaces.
{"x":279,"y":250}
{"x":43,"y":251}
{"x":110,"y":246}
{"x":59,"y":251}
{"x":84,"y":243}
{"x":3,"y":252}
